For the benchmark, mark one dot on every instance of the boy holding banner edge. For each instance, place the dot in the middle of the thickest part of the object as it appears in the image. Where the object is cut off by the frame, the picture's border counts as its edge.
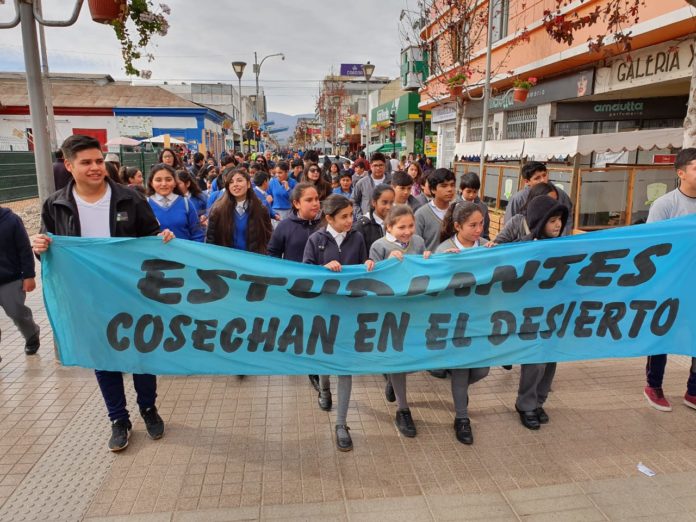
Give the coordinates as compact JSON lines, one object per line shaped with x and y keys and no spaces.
{"x":679,"y":202}
{"x":94,"y":206}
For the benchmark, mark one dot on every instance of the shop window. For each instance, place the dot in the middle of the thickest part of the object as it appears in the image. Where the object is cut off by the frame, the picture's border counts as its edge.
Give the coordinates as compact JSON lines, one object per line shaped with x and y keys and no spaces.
{"x":573,"y":128}
{"x":501,"y":14}
{"x":521,"y":123}
{"x":662,"y":124}
{"x":475,"y":132}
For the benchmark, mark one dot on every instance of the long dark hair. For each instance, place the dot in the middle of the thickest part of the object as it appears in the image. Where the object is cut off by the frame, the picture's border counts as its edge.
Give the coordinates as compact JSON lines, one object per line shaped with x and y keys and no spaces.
{"x":223,"y":215}
{"x":323,"y":187}
{"x":185,"y":176}
{"x":127,"y":174}
{"x":458,"y":212}
{"x":177,"y":159}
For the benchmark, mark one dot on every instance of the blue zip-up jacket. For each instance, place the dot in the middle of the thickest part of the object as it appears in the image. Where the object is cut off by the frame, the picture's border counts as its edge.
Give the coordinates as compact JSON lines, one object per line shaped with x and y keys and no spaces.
{"x":290,"y":237}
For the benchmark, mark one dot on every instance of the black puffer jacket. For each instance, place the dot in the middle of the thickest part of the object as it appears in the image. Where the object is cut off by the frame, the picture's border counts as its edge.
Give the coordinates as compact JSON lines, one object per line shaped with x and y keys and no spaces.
{"x":369,"y":228}
{"x":130,"y":215}
{"x":16,"y":259}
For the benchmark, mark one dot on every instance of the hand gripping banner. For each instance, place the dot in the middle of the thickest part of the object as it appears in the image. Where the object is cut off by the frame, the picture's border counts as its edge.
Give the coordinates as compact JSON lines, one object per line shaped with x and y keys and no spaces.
{"x":141,"y":306}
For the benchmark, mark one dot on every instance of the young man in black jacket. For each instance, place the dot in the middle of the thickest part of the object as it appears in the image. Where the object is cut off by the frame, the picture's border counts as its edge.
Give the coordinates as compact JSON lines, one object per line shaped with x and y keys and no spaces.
{"x":17,"y":277}
{"x":94,"y":206}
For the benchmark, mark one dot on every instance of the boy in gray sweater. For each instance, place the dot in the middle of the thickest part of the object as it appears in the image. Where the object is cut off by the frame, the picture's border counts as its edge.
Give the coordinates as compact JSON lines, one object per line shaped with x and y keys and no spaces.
{"x":441,"y":183}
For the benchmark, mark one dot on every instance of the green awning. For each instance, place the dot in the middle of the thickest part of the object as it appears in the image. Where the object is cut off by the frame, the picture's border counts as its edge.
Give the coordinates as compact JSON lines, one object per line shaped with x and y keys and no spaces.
{"x":388,"y":148}
{"x":373,"y":147}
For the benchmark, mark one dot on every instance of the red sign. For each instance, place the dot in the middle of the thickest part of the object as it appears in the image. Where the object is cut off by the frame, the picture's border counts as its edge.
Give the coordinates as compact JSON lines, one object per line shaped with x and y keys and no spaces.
{"x":664,"y":159}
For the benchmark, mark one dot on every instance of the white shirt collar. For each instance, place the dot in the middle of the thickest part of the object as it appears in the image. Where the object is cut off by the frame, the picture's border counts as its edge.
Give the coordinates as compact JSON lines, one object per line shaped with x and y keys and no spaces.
{"x":241,"y":207}
{"x":462,"y":247}
{"x":166,"y":199}
{"x":392,"y":239}
{"x":377,"y":219}
{"x":438,"y":212}
{"x":338,"y":236}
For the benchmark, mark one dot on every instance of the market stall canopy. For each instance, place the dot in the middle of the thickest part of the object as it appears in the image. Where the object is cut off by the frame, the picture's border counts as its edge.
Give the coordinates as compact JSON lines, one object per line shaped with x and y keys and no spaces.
{"x":122,"y":141}
{"x":561,"y":147}
{"x":495,"y":149}
{"x":160,"y":139}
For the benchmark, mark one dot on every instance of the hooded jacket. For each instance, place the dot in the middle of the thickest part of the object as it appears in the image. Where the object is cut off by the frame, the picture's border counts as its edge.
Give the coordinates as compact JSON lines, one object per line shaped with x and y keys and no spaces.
{"x":130,"y":214}
{"x":16,"y":258}
{"x":539,"y":211}
{"x":290,"y":237}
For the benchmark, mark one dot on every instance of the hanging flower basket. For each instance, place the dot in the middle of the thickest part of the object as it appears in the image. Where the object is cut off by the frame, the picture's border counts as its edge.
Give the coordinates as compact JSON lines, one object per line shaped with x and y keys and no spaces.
{"x":456,"y":90}
{"x":520,"y":94}
{"x":107,"y":11}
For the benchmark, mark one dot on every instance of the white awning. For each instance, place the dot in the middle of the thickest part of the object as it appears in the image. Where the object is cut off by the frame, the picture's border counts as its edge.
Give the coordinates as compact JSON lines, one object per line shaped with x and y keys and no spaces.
{"x":561,"y":147}
{"x":495,"y":149}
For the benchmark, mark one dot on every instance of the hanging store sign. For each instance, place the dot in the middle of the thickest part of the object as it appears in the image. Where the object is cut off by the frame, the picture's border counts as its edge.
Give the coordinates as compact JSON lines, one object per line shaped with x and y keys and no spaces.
{"x":659,"y":63}
{"x":568,"y":87}
{"x":352,"y":69}
{"x":636,"y":109}
{"x":445,"y":112}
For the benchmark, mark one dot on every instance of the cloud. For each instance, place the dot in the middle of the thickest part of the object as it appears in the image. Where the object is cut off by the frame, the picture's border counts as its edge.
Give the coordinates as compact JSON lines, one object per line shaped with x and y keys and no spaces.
{"x":207,"y":35}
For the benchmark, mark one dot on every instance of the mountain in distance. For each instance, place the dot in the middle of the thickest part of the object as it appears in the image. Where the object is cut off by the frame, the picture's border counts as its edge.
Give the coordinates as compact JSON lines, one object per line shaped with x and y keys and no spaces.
{"x":280,"y":119}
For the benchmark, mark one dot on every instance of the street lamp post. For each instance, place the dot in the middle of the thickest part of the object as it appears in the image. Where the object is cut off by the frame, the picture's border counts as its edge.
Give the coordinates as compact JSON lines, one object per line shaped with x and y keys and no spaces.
{"x":27,"y":14}
{"x":239,"y":70}
{"x":368,"y":69}
{"x":257,"y":71}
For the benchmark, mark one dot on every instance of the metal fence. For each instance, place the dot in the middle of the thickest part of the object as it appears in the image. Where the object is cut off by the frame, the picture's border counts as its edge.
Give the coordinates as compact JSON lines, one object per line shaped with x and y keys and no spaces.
{"x":18,"y":172}
{"x":17,"y":176}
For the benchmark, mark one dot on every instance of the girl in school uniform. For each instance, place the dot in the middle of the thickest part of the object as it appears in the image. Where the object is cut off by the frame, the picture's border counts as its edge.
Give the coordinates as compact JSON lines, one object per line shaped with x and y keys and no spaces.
{"x":190,"y":190}
{"x":312,"y":174}
{"x":332,"y":247}
{"x":400,"y":239}
{"x":171,"y":209}
{"x":462,"y":227}
{"x":238,"y":219}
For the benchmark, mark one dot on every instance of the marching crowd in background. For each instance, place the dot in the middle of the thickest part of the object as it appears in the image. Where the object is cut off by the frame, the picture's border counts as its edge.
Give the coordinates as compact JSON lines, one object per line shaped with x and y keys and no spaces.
{"x":300,"y":207}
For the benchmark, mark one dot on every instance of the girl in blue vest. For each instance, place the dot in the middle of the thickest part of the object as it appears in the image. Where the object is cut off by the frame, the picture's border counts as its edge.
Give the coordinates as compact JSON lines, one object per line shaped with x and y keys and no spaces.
{"x":238,"y":219}
{"x":171,"y":209}
{"x":332,"y":247}
{"x":191,"y":191}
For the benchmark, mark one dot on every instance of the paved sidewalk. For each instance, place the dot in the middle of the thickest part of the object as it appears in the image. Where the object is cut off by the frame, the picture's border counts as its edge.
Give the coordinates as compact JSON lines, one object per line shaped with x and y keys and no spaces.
{"x":260,"y":448}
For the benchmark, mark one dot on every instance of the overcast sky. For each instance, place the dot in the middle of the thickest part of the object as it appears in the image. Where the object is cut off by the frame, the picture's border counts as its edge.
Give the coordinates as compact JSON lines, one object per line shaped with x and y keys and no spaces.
{"x":206,"y":35}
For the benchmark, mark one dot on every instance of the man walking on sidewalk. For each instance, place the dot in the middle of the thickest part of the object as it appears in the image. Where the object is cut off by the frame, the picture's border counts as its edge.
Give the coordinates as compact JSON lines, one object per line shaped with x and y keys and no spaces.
{"x":17,"y":277}
{"x":94,"y":206}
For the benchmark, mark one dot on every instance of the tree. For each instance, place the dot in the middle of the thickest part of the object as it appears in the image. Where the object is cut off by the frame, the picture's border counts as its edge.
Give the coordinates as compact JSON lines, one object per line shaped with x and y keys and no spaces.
{"x":616,"y":16}
{"x":451,"y":34}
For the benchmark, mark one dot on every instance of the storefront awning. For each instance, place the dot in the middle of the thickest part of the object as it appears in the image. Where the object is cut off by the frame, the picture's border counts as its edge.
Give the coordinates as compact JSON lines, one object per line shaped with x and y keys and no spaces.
{"x":568,"y":146}
{"x":561,"y":147}
{"x":495,"y":149}
{"x":388,"y":148}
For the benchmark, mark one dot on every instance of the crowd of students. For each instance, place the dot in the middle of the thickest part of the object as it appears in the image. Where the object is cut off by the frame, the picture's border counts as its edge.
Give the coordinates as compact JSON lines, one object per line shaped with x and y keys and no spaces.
{"x":300,"y":211}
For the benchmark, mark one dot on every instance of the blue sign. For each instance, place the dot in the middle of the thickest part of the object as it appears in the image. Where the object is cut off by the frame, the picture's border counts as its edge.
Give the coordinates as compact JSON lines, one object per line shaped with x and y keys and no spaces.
{"x":352,"y":69}
{"x":138,"y":305}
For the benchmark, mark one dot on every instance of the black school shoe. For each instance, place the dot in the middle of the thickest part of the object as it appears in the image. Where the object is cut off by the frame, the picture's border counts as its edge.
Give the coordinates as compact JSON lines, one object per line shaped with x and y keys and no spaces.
{"x":438,"y":374}
{"x":343,"y":440}
{"x":32,"y":345}
{"x":324,"y":400}
{"x":153,"y":422}
{"x":528,"y":419}
{"x":542,"y":415}
{"x":462,"y":430}
{"x":404,"y":423}
{"x":120,"y":433}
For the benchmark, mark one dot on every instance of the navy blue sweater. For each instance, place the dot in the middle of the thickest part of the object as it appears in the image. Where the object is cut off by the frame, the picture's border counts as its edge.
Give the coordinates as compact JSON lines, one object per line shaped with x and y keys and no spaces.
{"x":290,"y":237}
{"x":16,"y":258}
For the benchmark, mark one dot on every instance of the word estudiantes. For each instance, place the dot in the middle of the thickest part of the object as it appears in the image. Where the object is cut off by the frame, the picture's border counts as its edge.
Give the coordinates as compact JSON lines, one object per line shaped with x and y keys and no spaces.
{"x":161,"y":283}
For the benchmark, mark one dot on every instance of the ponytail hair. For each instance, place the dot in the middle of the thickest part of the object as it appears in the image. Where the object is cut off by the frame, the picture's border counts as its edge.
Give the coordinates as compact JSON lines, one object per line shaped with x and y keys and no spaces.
{"x":458,"y":212}
{"x":377,"y":193}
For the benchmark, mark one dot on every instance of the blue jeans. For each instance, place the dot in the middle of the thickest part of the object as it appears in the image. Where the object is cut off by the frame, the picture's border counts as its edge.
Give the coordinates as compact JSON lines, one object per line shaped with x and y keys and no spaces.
{"x":111,"y":385}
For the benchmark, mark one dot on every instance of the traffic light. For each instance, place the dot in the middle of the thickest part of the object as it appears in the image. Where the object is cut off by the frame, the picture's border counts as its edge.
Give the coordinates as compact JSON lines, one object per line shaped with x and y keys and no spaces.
{"x":392,"y":135}
{"x":258,"y":134}
{"x":392,"y":119}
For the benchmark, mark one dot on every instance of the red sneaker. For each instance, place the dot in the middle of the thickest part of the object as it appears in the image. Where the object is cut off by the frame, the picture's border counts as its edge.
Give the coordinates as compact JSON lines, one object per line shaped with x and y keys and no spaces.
{"x":656,"y":399}
{"x":690,"y":401}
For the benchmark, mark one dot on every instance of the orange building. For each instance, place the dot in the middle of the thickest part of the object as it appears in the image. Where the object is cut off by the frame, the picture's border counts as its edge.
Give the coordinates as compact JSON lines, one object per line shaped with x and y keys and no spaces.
{"x":579,"y":92}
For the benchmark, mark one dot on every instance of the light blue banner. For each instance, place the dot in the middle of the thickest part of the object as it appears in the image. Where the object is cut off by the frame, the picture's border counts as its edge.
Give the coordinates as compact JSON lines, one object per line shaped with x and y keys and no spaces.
{"x":141,"y":306}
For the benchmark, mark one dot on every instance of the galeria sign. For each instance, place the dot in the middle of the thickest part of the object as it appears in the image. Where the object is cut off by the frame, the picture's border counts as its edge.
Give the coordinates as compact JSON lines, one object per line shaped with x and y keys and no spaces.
{"x":141,"y":306}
